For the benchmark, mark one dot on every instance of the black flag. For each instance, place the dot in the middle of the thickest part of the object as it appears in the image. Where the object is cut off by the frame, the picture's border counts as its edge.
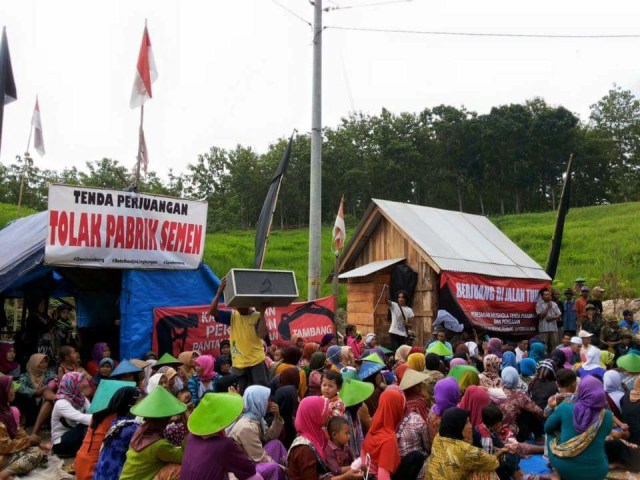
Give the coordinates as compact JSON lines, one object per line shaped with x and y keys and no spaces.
{"x":7,"y":84}
{"x":563,"y":209}
{"x":268,"y":208}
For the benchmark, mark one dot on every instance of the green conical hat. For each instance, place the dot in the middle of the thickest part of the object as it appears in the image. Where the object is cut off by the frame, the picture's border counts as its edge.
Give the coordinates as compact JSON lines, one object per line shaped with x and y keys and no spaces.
{"x":355,"y":391}
{"x":159,"y":404}
{"x":167,"y":360}
{"x":384,"y":350}
{"x":457,"y":371}
{"x":630,"y":362}
{"x":374,"y":357}
{"x":105,"y":392}
{"x":439,"y":349}
{"x":215,"y":412}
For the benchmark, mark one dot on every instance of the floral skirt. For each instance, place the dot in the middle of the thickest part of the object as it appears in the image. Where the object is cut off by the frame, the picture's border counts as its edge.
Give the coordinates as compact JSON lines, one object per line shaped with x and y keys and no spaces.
{"x":23,"y":462}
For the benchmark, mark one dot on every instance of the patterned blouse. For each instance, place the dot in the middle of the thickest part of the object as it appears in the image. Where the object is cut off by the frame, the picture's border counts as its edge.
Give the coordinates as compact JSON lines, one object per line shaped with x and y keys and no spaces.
{"x":453,"y":459}
{"x":514,"y":403}
{"x":114,"y":449}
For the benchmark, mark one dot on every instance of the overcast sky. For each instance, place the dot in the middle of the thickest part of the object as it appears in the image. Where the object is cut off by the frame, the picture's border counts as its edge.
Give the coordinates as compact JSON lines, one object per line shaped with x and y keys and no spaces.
{"x":239,"y":71}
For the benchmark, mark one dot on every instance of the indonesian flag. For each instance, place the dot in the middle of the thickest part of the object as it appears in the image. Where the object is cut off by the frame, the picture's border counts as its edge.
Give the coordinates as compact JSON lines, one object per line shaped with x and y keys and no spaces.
{"x":36,"y":122}
{"x":146,"y":73}
{"x":339,"y":229}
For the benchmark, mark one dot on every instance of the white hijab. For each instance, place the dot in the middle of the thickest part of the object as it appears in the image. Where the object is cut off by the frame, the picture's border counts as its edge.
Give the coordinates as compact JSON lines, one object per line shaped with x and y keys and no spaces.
{"x":593,"y":359}
{"x":613,"y":386}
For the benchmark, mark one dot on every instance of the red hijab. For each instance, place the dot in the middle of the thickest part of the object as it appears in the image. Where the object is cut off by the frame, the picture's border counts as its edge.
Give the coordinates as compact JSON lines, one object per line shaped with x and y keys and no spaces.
{"x":400,"y":371}
{"x":310,"y":417}
{"x":475,"y":399}
{"x":381,"y":442}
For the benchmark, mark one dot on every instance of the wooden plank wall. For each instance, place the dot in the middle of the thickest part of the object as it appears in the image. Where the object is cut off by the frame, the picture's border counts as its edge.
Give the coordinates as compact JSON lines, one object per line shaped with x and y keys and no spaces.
{"x":387,"y":242}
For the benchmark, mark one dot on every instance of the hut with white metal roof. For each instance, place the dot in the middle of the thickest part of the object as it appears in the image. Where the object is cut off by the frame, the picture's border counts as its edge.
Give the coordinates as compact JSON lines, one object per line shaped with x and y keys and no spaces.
{"x":431,"y":242}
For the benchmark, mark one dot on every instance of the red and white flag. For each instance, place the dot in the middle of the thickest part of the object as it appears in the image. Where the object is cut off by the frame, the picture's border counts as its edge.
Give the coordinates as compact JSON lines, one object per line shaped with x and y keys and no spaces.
{"x":146,"y":73}
{"x":36,"y":122}
{"x":339,"y":229}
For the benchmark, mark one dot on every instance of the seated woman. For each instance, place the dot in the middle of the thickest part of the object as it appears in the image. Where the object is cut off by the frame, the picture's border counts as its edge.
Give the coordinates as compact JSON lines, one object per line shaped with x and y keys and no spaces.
{"x":592,"y":366}
{"x":453,"y":457}
{"x":209,"y":454}
{"x":576,"y":434}
{"x":8,"y":364}
{"x":69,"y":419}
{"x":414,"y":444}
{"x":290,"y":358}
{"x":446,"y":395}
{"x":20,"y":453}
{"x":490,"y":378}
{"x":306,"y":459}
{"x":254,"y":438}
{"x":474,"y":400}
{"x":87,"y":456}
{"x":204,"y":380}
{"x":527,"y":370}
{"x":353,"y":394}
{"x":286,"y":397}
{"x":316,"y":367}
{"x":614,"y":392}
{"x":543,"y":385}
{"x":33,"y":389}
{"x":100,"y":350}
{"x":105,"y":369}
{"x":623,"y":447}
{"x":187,"y":369}
{"x":113,"y":451}
{"x":149,"y":453}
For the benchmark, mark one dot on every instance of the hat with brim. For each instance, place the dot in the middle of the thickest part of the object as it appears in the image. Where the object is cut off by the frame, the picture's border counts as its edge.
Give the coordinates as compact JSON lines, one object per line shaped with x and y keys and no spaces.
{"x":584,"y":334}
{"x":140,"y":363}
{"x":368,"y":369}
{"x":439,"y":349}
{"x":105,"y":392}
{"x":354,"y":392}
{"x":349,"y":373}
{"x":167,"y":360}
{"x":159,"y":404}
{"x":125,"y":367}
{"x":580,"y":280}
{"x":457,"y":371}
{"x":384,"y":350}
{"x":598,"y":289}
{"x":584,"y":288}
{"x":630,"y":362}
{"x":215,"y":412}
{"x":411,"y":378}
{"x":374,"y":357}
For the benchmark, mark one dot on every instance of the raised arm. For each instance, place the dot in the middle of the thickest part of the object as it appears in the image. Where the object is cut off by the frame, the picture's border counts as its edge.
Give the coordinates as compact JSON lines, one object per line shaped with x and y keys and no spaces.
{"x":213,"y":309}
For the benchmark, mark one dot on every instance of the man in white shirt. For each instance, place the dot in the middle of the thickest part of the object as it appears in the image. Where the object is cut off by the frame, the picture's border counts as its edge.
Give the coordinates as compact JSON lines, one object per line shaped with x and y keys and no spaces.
{"x":401,"y":316}
{"x":521,"y":349}
{"x":548,"y":312}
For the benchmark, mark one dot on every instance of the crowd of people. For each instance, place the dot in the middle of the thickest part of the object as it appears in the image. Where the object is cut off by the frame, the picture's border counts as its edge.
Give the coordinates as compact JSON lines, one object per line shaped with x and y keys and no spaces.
{"x":344,"y":408}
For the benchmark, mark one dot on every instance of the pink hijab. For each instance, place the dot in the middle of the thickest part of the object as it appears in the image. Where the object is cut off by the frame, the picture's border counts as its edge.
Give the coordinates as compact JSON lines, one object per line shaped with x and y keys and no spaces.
{"x":207,"y":363}
{"x":310,"y":418}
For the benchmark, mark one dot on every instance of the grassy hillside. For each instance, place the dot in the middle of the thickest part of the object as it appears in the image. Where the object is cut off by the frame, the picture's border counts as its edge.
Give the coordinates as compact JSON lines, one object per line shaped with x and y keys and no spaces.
{"x":600,"y":243}
{"x":8,"y":213}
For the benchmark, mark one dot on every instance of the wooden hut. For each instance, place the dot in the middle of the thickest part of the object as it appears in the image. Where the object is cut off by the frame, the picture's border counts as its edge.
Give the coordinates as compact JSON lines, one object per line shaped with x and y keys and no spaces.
{"x":430,"y":241}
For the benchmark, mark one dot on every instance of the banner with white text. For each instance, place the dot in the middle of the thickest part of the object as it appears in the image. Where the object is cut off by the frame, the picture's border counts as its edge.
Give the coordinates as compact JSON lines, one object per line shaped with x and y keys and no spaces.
{"x":497,"y":304}
{"x":92,"y":227}
{"x":179,"y":329}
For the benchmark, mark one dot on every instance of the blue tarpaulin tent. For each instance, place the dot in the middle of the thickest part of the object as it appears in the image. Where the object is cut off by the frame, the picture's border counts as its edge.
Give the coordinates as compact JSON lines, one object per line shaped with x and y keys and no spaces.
{"x":21,"y":263}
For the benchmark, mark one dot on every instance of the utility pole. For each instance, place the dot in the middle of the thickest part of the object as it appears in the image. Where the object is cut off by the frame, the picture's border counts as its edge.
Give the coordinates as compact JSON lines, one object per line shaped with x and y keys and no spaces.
{"x":315,"y":192}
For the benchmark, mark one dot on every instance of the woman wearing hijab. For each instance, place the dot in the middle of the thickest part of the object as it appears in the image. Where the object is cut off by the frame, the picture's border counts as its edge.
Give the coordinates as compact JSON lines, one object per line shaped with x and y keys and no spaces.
{"x":20,"y":453}
{"x":416,"y":361}
{"x":286,"y":397}
{"x":537,"y":351}
{"x":105,"y":368}
{"x":474,"y":400}
{"x":100,"y":350}
{"x":433,"y":377}
{"x":516,"y":401}
{"x":306,"y":459}
{"x":402,"y":353}
{"x":8,"y":364}
{"x":543,"y":385}
{"x":150,"y":455}
{"x":204,"y":380}
{"x":453,"y":457}
{"x":347,"y":357}
{"x":257,"y":440}
{"x":327,"y":341}
{"x":381,"y":443}
{"x":508,"y":360}
{"x":495,"y":347}
{"x":89,"y":453}
{"x":457,"y":361}
{"x":446,"y":395}
{"x":307,"y":352}
{"x":69,"y":419}
{"x":114,"y":446}
{"x":316,"y":367}
{"x":577,"y":432}
{"x":614,"y":391}
{"x":624,"y":448}
{"x":490,"y":378}
{"x":592,"y":366}
{"x":33,"y":387}
{"x":290,"y":358}
{"x":527,"y":370}
{"x":188,"y":367}
{"x":333,"y":356}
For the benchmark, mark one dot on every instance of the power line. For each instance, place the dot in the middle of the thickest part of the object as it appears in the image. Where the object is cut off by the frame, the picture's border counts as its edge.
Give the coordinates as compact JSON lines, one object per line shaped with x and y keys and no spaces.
{"x":373,"y":4}
{"x":299,"y":17}
{"x":479,"y":34}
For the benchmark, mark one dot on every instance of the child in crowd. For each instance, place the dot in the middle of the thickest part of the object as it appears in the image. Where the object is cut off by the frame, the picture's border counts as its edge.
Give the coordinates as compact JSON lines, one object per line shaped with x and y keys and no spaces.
{"x":104,"y":371}
{"x":354,"y":340}
{"x":330,"y":386}
{"x":100,"y":350}
{"x":567,"y":382}
{"x":337,"y":451}
{"x":184,"y":396}
{"x":492,"y":435}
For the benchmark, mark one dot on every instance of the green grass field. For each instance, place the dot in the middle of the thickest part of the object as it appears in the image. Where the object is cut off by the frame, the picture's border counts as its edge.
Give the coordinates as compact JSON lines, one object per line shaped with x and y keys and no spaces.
{"x":9,"y":213}
{"x":600,"y":243}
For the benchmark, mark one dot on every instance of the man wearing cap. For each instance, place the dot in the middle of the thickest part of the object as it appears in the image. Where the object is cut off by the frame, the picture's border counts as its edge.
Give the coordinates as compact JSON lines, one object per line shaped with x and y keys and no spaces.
{"x":591,"y":322}
{"x":548,"y":313}
{"x":596,"y":299}
{"x":246,"y":330}
{"x":580,"y":305}
{"x":586,"y":343}
{"x":576,"y":346}
{"x":569,"y":322}
{"x":578,"y":284}
{"x":629,"y":323}
{"x":610,"y":335}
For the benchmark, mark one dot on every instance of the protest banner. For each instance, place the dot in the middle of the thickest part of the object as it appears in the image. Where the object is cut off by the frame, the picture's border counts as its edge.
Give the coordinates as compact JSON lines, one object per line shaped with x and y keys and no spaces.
{"x":179,"y":329}
{"x":497,"y":304}
{"x":91,"y":227}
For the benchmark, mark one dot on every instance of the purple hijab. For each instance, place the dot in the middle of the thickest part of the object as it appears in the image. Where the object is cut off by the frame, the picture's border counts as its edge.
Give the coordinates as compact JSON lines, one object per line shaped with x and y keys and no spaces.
{"x":591,"y":401}
{"x":457,"y":361}
{"x":568,"y":357}
{"x":98,"y":350}
{"x":447,"y":395}
{"x":495,"y":347}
